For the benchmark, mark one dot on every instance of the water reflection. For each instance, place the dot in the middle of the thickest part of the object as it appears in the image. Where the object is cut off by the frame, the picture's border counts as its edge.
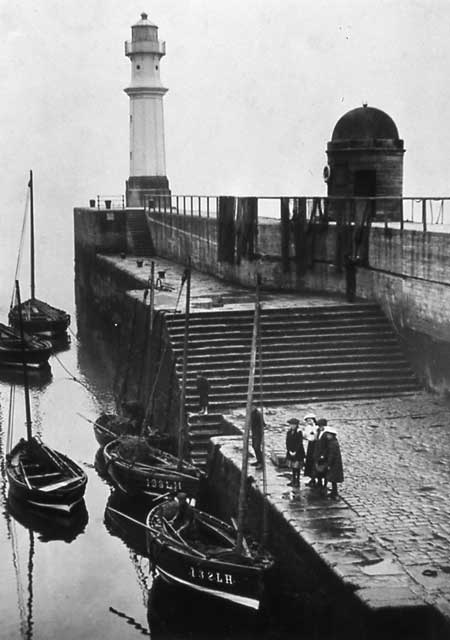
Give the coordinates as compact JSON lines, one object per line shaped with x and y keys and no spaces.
{"x":49,"y":526}
{"x":38,"y":379}
{"x":125,"y":518}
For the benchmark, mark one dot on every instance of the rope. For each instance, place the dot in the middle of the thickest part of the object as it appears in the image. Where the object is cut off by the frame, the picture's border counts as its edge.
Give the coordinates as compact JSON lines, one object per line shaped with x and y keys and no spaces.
{"x":19,"y":255}
{"x":70,"y":374}
{"x":131,"y":621}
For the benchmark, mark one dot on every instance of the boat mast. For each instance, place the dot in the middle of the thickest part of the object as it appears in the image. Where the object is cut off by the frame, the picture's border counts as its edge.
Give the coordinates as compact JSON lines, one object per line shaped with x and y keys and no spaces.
{"x":26,"y":386}
{"x":33,"y":283}
{"x":182,"y":416}
{"x":265,"y":528}
{"x":244,"y":468}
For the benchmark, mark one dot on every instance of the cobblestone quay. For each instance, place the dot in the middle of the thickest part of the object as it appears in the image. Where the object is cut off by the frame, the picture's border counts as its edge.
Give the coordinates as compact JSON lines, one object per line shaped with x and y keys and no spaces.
{"x":388,"y":536}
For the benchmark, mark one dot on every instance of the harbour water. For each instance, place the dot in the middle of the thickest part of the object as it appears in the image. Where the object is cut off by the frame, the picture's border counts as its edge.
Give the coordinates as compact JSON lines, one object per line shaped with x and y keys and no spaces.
{"x":92,"y":579}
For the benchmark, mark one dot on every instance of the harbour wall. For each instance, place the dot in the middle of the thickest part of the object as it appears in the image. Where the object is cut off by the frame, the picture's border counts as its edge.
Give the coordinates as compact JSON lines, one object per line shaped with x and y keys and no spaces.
{"x":407,"y":272}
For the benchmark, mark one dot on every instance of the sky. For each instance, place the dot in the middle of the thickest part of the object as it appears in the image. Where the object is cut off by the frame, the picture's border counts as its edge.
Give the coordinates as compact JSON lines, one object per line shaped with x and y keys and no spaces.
{"x":255,"y":89}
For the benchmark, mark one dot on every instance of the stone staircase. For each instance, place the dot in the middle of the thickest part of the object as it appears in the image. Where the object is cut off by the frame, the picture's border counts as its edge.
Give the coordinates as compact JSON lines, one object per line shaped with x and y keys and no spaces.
{"x":311,"y":354}
{"x":201,"y":429}
{"x":138,"y":235}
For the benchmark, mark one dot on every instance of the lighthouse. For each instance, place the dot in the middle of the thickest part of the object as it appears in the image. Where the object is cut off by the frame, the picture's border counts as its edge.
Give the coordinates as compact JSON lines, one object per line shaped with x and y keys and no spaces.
{"x":147,"y":149}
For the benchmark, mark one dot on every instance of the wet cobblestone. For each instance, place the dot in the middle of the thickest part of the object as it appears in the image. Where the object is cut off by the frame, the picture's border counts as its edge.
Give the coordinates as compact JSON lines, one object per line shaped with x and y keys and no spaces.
{"x":394,"y":500}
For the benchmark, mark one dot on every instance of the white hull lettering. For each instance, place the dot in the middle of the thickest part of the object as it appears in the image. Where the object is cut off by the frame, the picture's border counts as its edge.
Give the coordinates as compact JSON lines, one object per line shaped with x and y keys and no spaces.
{"x":211,"y":576}
{"x":171,"y":485}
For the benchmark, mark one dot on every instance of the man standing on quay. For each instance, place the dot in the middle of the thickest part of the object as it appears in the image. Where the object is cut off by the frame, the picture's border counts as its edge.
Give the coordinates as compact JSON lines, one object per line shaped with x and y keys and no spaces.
{"x":257,"y":426}
{"x":203,"y":392}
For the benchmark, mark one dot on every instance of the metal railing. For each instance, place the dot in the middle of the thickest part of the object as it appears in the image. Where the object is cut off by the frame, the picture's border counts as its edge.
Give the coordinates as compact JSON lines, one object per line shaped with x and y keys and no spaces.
{"x":420,"y":213}
{"x":107,"y":202}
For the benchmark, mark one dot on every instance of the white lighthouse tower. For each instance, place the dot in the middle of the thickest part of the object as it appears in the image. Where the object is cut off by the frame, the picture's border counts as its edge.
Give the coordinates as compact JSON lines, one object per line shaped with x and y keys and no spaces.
{"x":147,"y":151}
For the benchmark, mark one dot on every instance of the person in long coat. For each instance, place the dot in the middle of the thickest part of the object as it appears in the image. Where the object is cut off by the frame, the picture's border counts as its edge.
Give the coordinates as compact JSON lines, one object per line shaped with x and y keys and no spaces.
{"x":295,"y":452}
{"x":257,"y":427}
{"x":320,"y":455}
{"x":203,"y":392}
{"x":335,"y":470}
{"x":310,"y":433}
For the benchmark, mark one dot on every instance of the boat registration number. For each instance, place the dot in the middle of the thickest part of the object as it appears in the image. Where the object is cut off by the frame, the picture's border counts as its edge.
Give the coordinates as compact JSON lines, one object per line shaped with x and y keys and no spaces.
{"x":171,"y":485}
{"x":211,"y":576}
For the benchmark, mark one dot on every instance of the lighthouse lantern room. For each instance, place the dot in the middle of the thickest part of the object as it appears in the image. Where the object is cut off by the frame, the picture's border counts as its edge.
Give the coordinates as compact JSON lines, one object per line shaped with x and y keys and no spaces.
{"x":147,"y":150}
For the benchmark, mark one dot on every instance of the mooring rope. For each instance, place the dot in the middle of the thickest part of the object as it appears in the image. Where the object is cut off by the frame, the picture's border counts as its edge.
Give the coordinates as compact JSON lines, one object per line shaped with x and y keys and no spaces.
{"x":131,"y":621}
{"x":70,"y":374}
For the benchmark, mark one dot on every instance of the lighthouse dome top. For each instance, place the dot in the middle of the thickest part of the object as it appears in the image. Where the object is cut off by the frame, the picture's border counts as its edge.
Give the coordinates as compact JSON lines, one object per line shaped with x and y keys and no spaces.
{"x":365,"y":123}
{"x":144,"y":21}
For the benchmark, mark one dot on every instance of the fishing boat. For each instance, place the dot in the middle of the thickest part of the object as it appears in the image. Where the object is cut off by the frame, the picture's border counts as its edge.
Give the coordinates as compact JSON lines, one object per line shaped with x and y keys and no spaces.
{"x":35,"y":350}
{"x":38,"y":317}
{"x":136,"y":466}
{"x":110,"y":426}
{"x":200,"y":552}
{"x":37,"y":474}
{"x":208,"y":562}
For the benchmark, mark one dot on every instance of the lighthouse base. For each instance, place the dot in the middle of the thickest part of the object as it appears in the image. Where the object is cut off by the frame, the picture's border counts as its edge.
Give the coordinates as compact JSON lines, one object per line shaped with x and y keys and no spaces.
{"x":141,"y":189}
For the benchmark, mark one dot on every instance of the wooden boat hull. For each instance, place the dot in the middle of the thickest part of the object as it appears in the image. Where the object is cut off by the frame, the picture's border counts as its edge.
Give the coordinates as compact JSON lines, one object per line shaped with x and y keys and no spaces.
{"x":242,"y":583}
{"x":35,"y":351}
{"x":59,"y":494}
{"x":40,"y":318}
{"x":151,"y":480}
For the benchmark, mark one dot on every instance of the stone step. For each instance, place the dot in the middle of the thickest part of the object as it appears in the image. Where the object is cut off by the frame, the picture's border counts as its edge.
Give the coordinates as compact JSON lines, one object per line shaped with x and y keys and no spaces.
{"x":307,"y":385}
{"x":276,"y":364}
{"x":290,"y":347}
{"x":289,"y":324}
{"x":303,"y":376}
{"x":300,"y":337}
{"x":206,"y":418}
{"x":282,"y":312}
{"x":331,"y":395}
{"x":298,"y":355}
{"x":303,"y":333}
{"x":203,"y":435}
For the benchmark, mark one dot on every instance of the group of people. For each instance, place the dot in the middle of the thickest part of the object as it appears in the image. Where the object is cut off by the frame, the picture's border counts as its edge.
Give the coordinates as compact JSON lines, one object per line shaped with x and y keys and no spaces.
{"x":322,"y":461}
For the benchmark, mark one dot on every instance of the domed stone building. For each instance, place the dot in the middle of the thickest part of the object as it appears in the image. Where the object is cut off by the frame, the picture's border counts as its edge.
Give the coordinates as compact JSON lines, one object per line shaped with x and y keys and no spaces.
{"x":365,"y":159}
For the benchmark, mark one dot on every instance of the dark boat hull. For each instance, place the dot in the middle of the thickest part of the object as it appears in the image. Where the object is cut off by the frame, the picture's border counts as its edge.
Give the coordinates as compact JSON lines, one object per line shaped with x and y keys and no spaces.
{"x":39,"y":318}
{"x":151,"y":481}
{"x":61,"y":495}
{"x":36,"y":352}
{"x":109,"y":426}
{"x":242,"y":583}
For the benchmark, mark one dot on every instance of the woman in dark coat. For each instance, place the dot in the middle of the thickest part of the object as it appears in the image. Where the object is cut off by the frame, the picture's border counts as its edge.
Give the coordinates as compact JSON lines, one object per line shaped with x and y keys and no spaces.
{"x":295,"y":452}
{"x":335,"y":470}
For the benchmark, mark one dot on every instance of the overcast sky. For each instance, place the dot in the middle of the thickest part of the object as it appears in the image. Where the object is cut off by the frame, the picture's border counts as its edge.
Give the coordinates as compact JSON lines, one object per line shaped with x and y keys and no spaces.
{"x":255,"y":89}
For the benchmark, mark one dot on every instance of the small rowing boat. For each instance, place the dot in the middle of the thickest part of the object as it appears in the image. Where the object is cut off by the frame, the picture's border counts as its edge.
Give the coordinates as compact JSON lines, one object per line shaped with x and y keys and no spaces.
{"x":12,"y":351}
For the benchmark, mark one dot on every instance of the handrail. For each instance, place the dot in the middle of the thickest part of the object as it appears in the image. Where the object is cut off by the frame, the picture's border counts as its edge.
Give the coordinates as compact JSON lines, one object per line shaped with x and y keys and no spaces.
{"x":422,"y":212}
